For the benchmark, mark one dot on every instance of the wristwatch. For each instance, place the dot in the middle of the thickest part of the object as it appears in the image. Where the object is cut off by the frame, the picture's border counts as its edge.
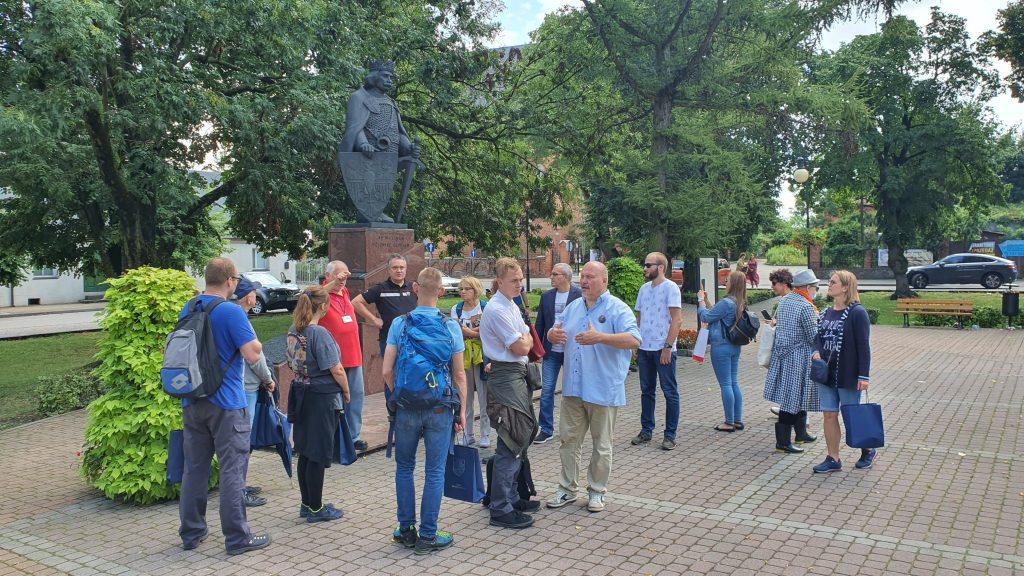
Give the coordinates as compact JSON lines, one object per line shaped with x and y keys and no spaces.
{"x":667,"y":346}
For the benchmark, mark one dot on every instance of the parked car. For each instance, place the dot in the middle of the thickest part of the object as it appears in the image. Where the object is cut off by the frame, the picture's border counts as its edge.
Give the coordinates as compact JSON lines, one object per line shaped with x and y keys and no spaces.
{"x":989,"y":271}
{"x":272,"y":293}
{"x":677,"y":272}
{"x":451,"y":285}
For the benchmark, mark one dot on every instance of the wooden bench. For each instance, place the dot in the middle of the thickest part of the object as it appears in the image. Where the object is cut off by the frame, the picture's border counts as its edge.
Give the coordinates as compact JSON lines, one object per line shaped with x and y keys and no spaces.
{"x":957,"y":308}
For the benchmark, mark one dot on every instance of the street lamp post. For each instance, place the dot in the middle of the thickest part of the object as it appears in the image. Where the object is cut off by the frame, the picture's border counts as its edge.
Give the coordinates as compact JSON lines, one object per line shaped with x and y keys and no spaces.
{"x":800,"y":175}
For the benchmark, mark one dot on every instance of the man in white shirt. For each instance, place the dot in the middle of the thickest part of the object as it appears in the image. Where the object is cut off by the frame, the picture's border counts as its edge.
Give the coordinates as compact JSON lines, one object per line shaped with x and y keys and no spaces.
{"x":506,"y":340}
{"x":660,"y":315}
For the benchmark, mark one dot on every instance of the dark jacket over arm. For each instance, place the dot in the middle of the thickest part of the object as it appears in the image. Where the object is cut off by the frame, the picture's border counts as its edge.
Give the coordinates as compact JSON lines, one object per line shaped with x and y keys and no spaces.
{"x":546,"y":312}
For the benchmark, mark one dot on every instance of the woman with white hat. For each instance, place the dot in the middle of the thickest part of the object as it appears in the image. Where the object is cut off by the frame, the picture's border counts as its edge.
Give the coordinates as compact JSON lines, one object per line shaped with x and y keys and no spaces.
{"x":789,"y":383}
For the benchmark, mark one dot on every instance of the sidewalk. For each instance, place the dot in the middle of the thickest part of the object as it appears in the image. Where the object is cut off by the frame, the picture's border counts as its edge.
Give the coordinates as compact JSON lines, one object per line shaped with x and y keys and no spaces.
{"x":44,"y":309}
{"x":944,"y":497}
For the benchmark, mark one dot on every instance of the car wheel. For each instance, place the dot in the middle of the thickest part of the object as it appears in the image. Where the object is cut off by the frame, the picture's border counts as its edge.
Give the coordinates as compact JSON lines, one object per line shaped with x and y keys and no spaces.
{"x":259,"y":307}
{"x":992,"y":280}
{"x":919,"y":281}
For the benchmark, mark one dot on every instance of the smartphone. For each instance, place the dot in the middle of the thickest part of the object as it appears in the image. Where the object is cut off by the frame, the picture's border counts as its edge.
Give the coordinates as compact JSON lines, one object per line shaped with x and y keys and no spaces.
{"x":766,"y":314}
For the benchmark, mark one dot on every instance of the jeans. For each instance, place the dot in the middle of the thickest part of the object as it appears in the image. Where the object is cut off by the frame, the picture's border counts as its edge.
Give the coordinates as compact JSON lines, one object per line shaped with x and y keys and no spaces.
{"x":830,"y":399}
{"x":651,"y":371}
{"x":250,"y":398}
{"x":725,"y":359}
{"x":549,"y":370}
{"x":434,"y":425}
{"x":476,"y":387}
{"x":354,"y":408}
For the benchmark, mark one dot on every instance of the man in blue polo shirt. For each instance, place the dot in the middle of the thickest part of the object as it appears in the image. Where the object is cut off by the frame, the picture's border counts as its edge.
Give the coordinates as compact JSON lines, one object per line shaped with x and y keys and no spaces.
{"x":220,"y":423}
{"x":598,"y":332}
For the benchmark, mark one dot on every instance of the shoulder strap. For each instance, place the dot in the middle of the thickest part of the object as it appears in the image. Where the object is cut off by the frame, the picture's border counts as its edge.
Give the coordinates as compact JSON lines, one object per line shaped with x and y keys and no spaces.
{"x":458,"y":309}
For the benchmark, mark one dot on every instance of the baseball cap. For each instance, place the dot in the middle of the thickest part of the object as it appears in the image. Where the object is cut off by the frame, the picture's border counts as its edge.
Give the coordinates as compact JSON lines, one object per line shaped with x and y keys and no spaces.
{"x":244,"y":287}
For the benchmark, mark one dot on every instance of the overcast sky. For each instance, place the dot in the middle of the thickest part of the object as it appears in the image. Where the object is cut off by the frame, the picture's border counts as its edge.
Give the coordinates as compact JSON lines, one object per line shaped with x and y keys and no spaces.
{"x":521,"y":17}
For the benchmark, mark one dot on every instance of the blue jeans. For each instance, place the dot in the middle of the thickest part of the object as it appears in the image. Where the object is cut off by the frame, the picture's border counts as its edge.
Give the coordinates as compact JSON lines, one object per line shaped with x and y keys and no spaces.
{"x":250,"y":398}
{"x":830,"y":399}
{"x":652,"y":371}
{"x":725,"y":359}
{"x":434,"y":425}
{"x":354,"y":408}
{"x":549,"y":370}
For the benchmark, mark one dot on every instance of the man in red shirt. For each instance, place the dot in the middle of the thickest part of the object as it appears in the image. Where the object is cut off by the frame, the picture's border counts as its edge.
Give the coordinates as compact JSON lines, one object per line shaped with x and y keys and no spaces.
{"x":340,"y":321}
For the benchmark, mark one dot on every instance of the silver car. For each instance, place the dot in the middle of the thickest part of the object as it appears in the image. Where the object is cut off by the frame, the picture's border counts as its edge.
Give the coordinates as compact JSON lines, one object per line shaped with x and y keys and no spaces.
{"x":968,"y":268}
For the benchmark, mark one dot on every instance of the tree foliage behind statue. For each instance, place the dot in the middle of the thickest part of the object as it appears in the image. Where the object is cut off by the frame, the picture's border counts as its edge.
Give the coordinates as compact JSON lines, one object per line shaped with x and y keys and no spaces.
{"x":126,"y":440}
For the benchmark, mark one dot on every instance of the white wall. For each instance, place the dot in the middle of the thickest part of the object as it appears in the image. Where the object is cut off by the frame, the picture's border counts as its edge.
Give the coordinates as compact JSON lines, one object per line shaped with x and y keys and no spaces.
{"x":64,"y":289}
{"x":241,"y":254}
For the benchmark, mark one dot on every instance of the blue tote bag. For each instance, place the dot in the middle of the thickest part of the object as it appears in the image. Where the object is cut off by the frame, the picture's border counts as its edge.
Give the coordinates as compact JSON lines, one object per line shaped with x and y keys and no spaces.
{"x":864,"y":428}
{"x":344,"y":445}
{"x":176,"y":457}
{"x":463,"y":475}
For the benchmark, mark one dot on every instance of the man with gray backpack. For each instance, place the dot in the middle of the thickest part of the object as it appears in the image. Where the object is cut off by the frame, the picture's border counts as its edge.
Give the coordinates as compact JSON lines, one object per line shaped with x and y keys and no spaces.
{"x":423,"y":370}
{"x":203,"y":366}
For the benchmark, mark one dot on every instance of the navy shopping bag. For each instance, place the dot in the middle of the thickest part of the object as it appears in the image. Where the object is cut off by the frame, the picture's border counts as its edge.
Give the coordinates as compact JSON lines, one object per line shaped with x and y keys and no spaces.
{"x":344,"y":445}
{"x":176,"y":457}
{"x":864,"y":428}
{"x":463,"y":476}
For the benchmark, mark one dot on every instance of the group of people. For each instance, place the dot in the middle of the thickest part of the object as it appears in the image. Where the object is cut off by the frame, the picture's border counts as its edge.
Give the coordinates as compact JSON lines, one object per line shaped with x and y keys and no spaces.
{"x":838,"y":335}
{"x":588,"y":336}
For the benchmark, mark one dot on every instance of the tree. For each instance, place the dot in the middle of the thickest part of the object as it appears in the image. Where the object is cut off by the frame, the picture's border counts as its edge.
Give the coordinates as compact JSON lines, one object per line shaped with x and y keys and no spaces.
{"x":13,"y":269}
{"x":1008,"y":44}
{"x":927,"y":148}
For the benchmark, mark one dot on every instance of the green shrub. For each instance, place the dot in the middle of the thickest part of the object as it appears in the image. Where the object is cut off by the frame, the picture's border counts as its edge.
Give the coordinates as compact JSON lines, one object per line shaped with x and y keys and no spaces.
{"x":785,"y":255}
{"x":872,"y":315}
{"x":66,"y":392}
{"x":625,"y":277}
{"x":988,"y":317}
{"x":125,"y":453}
{"x":755,"y":296}
{"x":689,"y":298}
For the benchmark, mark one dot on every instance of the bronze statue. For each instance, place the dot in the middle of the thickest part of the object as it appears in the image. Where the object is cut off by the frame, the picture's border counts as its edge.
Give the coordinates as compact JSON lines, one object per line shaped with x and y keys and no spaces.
{"x":375,"y":146}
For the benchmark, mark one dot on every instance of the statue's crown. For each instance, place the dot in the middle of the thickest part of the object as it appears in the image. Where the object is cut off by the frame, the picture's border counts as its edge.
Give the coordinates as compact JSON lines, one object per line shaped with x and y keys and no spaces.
{"x":382,"y":66}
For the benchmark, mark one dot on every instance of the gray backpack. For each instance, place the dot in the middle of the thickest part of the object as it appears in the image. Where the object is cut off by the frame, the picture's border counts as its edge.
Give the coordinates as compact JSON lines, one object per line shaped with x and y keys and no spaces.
{"x":191,"y":366}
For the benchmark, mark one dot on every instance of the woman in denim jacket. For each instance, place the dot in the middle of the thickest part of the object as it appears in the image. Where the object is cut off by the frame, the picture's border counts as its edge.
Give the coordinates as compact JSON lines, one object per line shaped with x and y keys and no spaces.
{"x":725,"y":356}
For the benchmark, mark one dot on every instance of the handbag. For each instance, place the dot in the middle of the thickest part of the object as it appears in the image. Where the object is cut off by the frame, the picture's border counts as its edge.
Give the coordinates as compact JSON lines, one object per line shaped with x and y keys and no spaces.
{"x":864,"y":427}
{"x":463,"y":477}
{"x":819,"y":370}
{"x":765,"y":344}
{"x":537,"y":352}
{"x":176,"y":457}
{"x":344,"y":446}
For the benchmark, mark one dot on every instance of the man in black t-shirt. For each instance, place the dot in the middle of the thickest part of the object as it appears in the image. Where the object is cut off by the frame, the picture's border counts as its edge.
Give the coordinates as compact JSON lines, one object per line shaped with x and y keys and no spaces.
{"x":393,"y":298}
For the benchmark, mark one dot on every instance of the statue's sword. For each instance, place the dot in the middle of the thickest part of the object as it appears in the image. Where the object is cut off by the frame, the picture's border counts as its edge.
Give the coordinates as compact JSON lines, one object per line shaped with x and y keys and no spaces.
{"x":410,"y":171}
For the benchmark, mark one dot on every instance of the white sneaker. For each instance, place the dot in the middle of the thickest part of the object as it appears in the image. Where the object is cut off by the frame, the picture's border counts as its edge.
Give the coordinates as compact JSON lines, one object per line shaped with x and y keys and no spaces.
{"x":561,"y":498}
{"x":485,"y":441}
{"x":596,"y":503}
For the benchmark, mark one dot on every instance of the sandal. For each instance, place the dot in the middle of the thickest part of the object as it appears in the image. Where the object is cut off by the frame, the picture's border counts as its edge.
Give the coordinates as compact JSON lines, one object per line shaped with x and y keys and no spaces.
{"x":718,"y":427}
{"x":737,"y":425}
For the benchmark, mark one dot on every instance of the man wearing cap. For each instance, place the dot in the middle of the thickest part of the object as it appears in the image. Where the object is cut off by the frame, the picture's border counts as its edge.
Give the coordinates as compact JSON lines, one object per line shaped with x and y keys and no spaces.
{"x":340,"y":321}
{"x":256,"y":373}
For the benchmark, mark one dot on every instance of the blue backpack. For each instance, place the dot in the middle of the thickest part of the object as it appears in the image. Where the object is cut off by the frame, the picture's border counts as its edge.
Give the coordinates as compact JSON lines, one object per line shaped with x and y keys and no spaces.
{"x":423,"y":367}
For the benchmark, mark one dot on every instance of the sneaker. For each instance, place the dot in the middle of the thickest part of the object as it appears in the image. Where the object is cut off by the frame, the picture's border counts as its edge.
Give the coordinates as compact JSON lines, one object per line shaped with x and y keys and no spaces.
{"x":514,"y":519}
{"x":830,"y":464}
{"x":194,"y":545}
{"x":596,"y":503}
{"x":470,"y":440}
{"x":667,"y":444}
{"x":361,"y":445}
{"x":405,"y":536}
{"x":561,"y":498}
{"x":641,"y":438}
{"x":254,"y":543}
{"x":440,"y":541}
{"x":253,"y":489}
{"x":485,"y":441}
{"x":867,"y":458}
{"x":541,"y":438}
{"x":304,"y":511}
{"x":326,"y":513}
{"x":252,"y":500}
{"x":526,"y":505}
{"x":774,"y":410}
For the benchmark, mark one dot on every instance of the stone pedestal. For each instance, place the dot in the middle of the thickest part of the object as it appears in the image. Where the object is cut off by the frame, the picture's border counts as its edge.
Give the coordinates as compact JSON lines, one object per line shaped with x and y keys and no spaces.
{"x":365,"y":250}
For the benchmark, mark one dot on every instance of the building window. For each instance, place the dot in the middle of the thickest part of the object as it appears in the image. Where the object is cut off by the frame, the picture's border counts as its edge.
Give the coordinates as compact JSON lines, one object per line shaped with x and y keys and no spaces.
{"x":44,"y":272}
{"x":259,"y":260}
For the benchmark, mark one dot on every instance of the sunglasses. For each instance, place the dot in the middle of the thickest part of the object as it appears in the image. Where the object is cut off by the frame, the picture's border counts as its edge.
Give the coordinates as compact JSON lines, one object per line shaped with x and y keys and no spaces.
{"x":650,"y":264}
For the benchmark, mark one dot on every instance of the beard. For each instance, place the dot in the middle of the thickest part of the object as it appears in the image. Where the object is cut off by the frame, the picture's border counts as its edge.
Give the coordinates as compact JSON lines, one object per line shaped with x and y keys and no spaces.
{"x":651,"y":273}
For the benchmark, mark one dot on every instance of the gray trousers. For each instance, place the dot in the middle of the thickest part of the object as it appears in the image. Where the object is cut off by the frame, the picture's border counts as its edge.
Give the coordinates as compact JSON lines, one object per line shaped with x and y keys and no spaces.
{"x":209,"y":428}
{"x":504,"y":486}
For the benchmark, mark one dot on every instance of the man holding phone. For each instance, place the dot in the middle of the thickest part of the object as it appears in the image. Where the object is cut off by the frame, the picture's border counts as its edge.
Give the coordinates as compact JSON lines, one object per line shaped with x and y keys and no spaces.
{"x":660,"y":315}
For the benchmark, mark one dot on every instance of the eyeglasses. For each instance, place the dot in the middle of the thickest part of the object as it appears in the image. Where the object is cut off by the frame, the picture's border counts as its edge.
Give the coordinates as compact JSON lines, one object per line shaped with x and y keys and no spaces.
{"x":649,"y":264}
{"x":236,"y":278}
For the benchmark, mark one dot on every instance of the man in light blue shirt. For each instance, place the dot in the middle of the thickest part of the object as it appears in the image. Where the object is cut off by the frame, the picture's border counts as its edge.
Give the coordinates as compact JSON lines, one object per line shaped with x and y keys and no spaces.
{"x":598,"y":332}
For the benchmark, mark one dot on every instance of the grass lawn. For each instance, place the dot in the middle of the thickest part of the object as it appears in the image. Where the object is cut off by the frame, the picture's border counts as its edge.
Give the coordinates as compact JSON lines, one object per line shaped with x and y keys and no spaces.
{"x":887,"y":308}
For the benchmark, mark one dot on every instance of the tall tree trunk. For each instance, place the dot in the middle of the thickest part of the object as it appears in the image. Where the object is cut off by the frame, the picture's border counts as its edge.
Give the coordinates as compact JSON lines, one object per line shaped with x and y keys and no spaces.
{"x":898,"y":265}
{"x":659,"y":153}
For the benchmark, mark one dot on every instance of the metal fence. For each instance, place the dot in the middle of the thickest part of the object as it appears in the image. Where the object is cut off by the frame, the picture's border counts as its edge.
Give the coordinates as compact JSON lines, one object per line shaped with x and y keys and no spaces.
{"x":308,"y":271}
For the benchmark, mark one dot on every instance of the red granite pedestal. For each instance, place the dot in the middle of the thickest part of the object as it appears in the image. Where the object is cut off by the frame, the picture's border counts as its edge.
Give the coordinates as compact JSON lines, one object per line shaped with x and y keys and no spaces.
{"x":365,"y":250}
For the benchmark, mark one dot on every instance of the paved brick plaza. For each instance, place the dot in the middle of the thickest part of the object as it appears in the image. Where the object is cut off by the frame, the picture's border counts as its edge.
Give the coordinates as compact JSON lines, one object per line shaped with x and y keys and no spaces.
{"x":945,"y":497}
